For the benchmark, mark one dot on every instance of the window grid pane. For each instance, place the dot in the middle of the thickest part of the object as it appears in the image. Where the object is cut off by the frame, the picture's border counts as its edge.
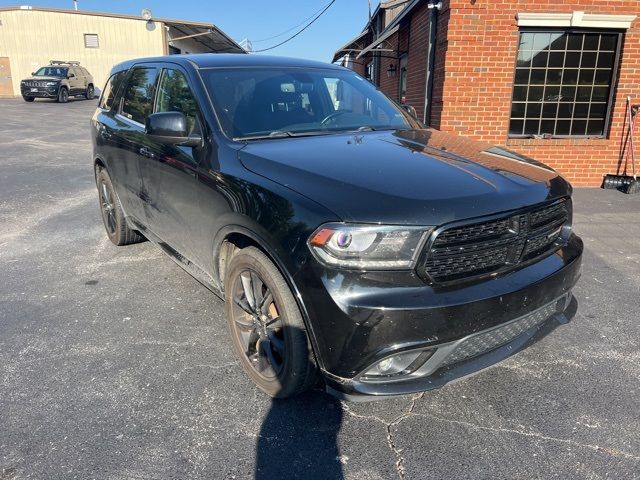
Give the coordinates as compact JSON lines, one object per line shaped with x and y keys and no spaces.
{"x":562,"y":83}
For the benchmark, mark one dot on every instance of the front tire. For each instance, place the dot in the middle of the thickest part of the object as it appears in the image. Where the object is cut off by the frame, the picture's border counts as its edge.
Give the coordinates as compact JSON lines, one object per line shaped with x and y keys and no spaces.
{"x":115,"y":223}
{"x":266,"y":326}
{"x":90,"y":92}
{"x":63,"y":95}
{"x":29,"y":99}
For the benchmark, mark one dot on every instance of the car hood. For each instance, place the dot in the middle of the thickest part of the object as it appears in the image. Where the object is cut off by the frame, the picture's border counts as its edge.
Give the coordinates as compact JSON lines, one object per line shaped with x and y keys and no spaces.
{"x":412,"y":177}
{"x":42,"y":78}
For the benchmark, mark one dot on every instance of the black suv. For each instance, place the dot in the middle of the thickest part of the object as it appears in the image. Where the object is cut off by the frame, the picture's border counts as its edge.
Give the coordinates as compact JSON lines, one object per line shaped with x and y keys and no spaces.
{"x":59,"y":80}
{"x":349,"y":242}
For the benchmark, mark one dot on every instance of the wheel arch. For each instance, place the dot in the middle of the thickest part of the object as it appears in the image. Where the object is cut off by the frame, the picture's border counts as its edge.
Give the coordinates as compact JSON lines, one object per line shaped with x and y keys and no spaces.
{"x":98,"y":164}
{"x":240,"y":236}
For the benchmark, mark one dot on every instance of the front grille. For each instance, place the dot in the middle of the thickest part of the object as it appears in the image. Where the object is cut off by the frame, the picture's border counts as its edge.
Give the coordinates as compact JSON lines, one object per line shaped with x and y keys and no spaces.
{"x":489,"y":340}
{"x":35,"y":84}
{"x":496,"y":245}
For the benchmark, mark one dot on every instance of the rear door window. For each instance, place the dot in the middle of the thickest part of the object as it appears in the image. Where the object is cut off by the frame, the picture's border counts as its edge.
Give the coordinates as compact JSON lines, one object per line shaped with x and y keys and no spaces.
{"x":137,"y":102}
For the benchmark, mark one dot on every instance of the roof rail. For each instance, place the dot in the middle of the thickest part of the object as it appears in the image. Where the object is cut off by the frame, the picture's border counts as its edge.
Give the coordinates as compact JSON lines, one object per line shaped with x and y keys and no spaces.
{"x":63,"y":62}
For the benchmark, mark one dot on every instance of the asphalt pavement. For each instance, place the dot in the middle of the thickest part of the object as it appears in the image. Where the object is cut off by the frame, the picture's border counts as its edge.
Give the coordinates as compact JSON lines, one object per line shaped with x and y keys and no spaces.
{"x":116,"y":364}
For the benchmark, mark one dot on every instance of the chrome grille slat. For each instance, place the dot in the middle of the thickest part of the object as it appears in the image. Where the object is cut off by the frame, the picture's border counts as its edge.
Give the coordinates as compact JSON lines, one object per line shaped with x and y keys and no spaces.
{"x":36,"y":84}
{"x":495,"y":245}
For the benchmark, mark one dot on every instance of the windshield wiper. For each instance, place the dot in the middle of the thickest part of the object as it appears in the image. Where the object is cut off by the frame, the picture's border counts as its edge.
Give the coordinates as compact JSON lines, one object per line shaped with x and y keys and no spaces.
{"x":276,"y":134}
{"x":283,"y":134}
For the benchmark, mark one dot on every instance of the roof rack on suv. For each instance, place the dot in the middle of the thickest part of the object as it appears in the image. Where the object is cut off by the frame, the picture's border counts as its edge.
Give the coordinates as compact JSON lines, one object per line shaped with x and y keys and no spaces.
{"x":63,"y":62}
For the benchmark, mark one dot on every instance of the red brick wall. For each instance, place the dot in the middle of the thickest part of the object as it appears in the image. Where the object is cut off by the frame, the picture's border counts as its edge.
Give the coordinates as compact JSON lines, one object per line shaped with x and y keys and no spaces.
{"x":417,"y":60}
{"x":389,"y":85}
{"x":358,"y":67}
{"x":476,"y":50}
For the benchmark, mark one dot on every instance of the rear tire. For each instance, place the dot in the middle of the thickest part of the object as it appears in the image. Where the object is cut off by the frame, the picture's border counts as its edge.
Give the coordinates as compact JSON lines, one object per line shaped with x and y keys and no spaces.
{"x":29,"y":99}
{"x":63,"y":95}
{"x":113,"y":218}
{"x":266,"y":326}
{"x":90,"y":92}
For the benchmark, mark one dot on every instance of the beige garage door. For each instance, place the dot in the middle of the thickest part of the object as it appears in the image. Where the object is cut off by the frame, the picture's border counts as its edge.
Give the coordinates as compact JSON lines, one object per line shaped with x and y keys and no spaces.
{"x":6,"y":88}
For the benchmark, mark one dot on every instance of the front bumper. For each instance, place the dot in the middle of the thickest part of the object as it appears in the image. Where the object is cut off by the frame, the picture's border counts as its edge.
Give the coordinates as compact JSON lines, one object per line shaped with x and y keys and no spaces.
{"x":39,"y":92}
{"x":357,"y":319}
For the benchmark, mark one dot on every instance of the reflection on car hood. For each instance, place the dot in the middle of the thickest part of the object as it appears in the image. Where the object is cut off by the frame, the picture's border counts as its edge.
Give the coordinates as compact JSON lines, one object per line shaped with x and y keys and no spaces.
{"x":420,"y":177}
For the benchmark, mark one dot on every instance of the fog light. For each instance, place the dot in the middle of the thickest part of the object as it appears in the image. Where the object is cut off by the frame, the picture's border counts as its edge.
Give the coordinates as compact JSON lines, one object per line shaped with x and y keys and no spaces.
{"x":401,"y":363}
{"x":385,"y":365}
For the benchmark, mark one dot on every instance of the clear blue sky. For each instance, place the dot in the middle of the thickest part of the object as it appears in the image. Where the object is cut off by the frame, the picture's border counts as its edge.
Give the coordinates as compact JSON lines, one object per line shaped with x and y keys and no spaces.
{"x":253,"y":19}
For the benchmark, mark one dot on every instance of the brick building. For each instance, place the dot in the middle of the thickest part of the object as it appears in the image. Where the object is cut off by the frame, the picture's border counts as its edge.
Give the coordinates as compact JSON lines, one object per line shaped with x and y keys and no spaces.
{"x":548,"y":79}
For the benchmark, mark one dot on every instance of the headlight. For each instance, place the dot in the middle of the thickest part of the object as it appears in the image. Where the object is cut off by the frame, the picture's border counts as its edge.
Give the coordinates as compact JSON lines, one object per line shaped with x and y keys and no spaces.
{"x":51,"y":84}
{"x":375,"y":247}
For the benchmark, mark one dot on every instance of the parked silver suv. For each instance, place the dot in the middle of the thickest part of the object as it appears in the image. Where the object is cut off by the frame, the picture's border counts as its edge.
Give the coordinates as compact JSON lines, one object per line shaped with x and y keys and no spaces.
{"x":59,"y":80}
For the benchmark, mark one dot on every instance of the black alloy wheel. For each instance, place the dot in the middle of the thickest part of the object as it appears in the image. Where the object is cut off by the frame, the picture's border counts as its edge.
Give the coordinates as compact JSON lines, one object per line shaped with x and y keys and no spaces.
{"x":266,"y":326}
{"x":113,"y":217}
{"x":63,"y":95}
{"x":108,"y":208}
{"x":258,"y":325}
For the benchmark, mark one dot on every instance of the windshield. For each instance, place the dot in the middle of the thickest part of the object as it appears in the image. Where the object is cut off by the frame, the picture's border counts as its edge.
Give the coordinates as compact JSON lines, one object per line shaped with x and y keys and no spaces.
{"x":51,"y":72}
{"x":278,"y":101}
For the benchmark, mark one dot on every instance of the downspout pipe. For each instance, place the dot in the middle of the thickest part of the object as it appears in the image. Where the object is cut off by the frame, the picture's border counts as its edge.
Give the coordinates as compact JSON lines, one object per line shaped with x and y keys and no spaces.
{"x":431,"y":59}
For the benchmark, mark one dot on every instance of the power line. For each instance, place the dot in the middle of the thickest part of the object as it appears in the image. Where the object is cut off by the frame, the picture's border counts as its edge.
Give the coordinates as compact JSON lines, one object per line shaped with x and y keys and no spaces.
{"x":289,"y":29}
{"x":299,"y":31}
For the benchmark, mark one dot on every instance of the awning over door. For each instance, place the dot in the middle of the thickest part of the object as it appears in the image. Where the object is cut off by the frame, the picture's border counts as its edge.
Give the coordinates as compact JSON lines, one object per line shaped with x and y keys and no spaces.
{"x":207,"y":35}
{"x":352,"y":46}
{"x":378,"y":41}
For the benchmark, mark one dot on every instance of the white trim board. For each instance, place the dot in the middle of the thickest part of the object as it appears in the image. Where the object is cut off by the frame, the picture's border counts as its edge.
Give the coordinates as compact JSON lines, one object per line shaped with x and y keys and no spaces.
{"x":575,"y":19}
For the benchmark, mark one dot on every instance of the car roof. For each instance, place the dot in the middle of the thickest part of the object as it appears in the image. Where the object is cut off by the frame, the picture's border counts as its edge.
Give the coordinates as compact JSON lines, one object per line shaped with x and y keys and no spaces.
{"x":212,"y":60}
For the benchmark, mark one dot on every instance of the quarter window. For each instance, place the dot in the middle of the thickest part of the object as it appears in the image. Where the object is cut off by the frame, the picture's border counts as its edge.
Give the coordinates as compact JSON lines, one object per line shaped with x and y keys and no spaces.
{"x":137,"y":103}
{"x":110,"y":90}
{"x":563,"y":83}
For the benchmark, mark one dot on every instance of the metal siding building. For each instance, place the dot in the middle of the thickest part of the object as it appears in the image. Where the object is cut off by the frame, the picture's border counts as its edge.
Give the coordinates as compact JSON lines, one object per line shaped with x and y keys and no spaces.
{"x":31,"y":37}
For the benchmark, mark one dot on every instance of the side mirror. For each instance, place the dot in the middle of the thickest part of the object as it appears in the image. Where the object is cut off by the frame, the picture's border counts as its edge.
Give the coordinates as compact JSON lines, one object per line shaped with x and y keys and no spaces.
{"x":410,"y":110}
{"x":71,"y":75}
{"x":170,"y":128}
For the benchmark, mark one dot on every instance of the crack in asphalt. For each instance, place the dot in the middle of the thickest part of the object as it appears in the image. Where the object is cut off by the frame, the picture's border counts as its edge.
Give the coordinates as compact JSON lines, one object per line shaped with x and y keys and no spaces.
{"x":400,"y":459}
{"x":610,"y":451}
{"x":397,"y":452}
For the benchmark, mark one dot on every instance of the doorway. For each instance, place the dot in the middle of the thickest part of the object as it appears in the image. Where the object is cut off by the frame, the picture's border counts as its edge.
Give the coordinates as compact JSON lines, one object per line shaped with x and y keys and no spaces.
{"x":6,"y":84}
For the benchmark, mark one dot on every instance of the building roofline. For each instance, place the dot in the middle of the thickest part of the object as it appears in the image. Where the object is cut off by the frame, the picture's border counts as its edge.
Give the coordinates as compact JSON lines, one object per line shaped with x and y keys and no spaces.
{"x":403,"y":13}
{"x":105,"y":14}
{"x":166,"y":21}
{"x":411,"y":4}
